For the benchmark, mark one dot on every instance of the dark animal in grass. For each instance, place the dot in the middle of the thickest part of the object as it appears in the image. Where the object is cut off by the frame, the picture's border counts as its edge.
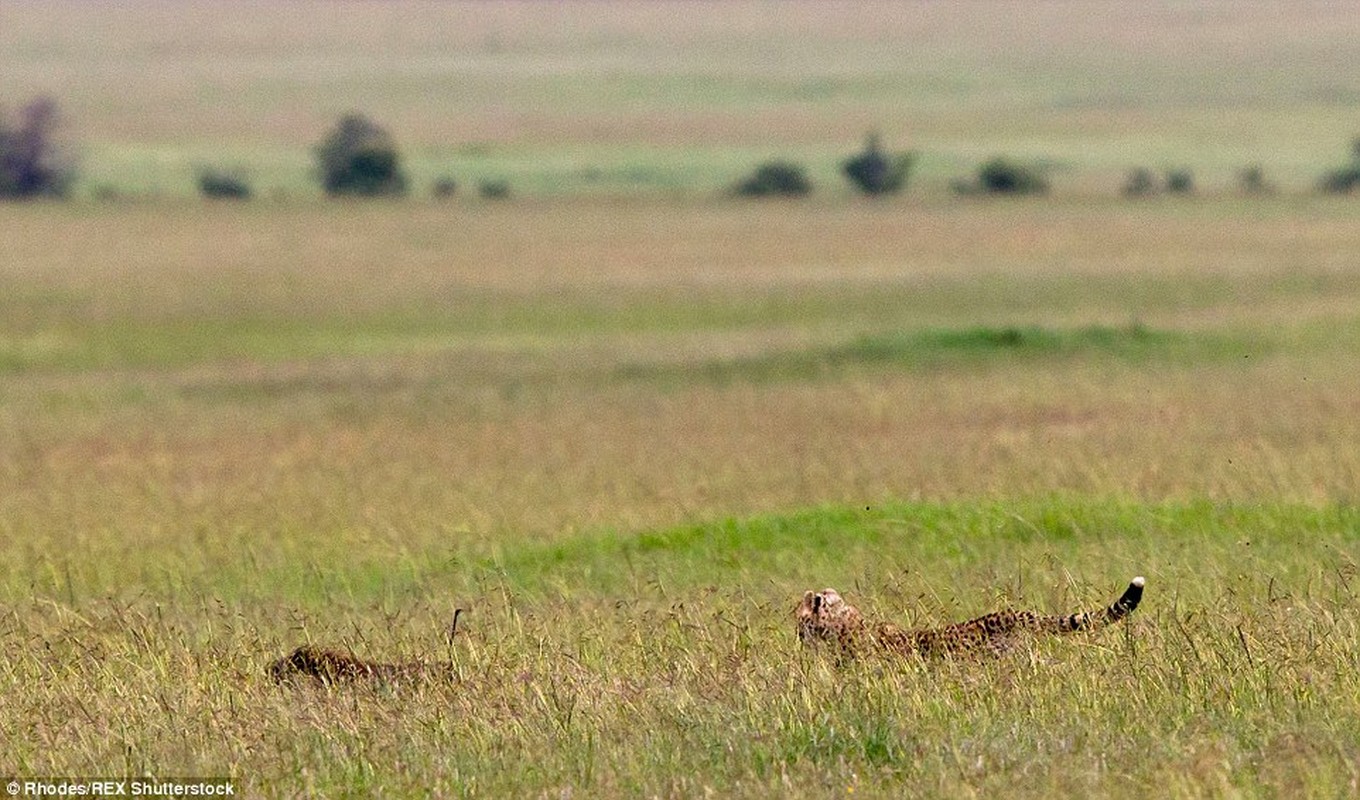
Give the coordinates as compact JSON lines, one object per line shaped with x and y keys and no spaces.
{"x":333,"y":666}
{"x":825,"y":618}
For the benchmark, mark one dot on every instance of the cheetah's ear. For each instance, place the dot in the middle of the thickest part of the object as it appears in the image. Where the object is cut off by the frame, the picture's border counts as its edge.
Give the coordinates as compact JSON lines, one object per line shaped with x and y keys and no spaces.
{"x":816,"y":603}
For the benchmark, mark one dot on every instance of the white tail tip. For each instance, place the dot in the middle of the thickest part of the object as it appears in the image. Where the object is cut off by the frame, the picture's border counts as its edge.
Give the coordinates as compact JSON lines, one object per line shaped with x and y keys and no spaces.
{"x":1139,"y":581}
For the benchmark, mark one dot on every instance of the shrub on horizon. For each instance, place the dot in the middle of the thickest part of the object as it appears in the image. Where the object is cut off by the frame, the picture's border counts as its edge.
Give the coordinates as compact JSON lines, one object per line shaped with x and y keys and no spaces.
{"x":1140,"y":182}
{"x":224,"y":184}
{"x":359,"y":158}
{"x":33,"y":162}
{"x":443,"y":188}
{"x":775,"y":179}
{"x":1343,"y":180}
{"x":494,"y":189}
{"x":875,"y":172}
{"x":1003,"y":176}
{"x":1180,"y":181}
{"x":1252,"y":179}
{"x":1340,"y":181}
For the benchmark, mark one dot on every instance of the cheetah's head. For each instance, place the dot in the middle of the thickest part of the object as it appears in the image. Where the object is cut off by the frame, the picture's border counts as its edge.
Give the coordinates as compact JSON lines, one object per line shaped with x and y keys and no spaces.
{"x":825,"y":617}
{"x":305,"y":660}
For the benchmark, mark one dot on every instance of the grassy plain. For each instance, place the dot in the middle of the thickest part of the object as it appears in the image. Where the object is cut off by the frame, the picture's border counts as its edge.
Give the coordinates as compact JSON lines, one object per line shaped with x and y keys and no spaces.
{"x":627,"y":422}
{"x":628,"y":435}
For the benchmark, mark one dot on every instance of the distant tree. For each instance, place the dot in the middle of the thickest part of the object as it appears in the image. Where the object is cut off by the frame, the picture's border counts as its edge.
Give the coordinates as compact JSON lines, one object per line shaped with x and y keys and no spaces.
{"x":1002,"y":176}
{"x":358,"y":157}
{"x":1180,"y":181}
{"x":775,"y":179}
{"x":1252,"y":179}
{"x":875,"y":172}
{"x":223,"y":184}
{"x":494,"y":189}
{"x":32,"y":160}
{"x":1140,"y":182}
{"x":1343,"y":180}
{"x":443,"y":188}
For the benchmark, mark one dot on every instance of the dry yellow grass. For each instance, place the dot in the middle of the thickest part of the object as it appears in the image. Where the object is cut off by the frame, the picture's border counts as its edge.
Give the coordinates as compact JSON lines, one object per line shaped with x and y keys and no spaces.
{"x":628,"y":434}
{"x":479,"y":355}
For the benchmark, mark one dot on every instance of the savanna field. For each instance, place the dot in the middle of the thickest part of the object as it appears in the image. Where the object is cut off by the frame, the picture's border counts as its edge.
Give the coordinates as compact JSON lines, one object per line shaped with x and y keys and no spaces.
{"x":625,"y":419}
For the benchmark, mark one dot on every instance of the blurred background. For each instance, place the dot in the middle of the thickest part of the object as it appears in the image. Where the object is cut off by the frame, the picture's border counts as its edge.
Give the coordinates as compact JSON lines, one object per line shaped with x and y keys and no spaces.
{"x":684,"y":98}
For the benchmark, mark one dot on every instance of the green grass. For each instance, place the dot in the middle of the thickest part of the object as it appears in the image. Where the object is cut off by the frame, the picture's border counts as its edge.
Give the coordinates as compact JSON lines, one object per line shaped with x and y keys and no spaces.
{"x":220,"y":322}
{"x":665,"y":662}
{"x":881,"y":545}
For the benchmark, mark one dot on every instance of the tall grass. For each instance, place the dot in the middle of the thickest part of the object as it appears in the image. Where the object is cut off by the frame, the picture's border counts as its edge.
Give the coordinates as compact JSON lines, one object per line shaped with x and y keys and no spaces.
{"x":278,"y":431}
{"x":665,"y":663}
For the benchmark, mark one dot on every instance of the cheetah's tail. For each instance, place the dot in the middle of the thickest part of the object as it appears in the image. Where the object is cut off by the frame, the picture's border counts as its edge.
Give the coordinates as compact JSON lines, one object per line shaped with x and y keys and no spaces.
{"x":1111,"y":614}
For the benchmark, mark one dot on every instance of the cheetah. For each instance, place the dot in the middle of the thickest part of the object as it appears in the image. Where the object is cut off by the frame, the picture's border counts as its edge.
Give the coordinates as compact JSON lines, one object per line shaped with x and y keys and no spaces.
{"x":333,"y":666}
{"x":825,"y":617}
